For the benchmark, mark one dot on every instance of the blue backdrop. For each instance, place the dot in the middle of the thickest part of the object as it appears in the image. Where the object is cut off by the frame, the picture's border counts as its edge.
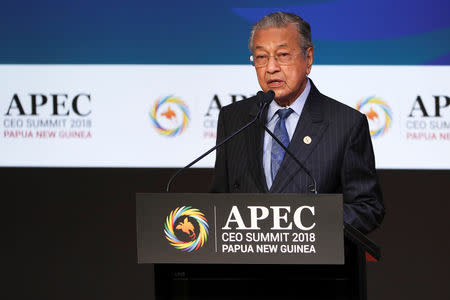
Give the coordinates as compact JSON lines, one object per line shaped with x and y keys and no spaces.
{"x":400,"y":32}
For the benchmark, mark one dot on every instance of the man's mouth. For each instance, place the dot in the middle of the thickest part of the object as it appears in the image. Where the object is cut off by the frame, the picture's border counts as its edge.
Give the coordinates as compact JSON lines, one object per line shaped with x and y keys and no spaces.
{"x":273,"y":83}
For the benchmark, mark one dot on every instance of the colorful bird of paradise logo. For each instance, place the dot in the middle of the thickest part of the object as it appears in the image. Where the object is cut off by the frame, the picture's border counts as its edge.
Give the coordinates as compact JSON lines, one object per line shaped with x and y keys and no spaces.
{"x":378,"y":113}
{"x":170,"y":116}
{"x":181,"y":226}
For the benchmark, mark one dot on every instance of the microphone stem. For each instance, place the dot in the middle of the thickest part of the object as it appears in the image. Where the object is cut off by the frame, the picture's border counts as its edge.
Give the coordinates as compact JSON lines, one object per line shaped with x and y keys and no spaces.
{"x":215,"y":147}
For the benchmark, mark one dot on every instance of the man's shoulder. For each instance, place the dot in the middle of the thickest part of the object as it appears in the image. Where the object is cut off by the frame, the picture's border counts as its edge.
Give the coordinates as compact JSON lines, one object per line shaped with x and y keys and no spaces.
{"x":333,"y":108}
{"x":341,"y":107}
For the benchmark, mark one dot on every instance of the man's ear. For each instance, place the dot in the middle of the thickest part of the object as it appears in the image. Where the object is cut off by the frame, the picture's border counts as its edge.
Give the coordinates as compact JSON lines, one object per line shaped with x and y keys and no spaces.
{"x":309,"y":59}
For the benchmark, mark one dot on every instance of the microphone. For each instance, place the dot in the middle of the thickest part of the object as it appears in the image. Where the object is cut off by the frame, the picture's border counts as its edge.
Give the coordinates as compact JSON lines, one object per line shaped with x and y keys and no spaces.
{"x":263,"y":100}
{"x":268,"y":97}
{"x":312,"y":188}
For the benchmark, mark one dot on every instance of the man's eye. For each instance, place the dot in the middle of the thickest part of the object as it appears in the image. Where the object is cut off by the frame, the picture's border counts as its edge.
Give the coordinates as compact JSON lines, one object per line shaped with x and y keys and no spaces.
{"x":261,"y":56}
{"x":284,"y":54}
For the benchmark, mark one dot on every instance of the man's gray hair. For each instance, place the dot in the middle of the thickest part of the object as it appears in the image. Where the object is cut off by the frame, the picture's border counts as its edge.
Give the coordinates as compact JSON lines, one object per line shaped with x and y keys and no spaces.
{"x":282,"y":19}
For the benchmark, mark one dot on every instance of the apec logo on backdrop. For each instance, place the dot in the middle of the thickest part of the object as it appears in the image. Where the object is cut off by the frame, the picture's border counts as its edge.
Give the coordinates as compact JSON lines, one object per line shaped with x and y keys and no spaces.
{"x":378,"y":113}
{"x":428,"y":118}
{"x":425,"y":119}
{"x":170,"y":116}
{"x":47,"y":116}
{"x":50,"y":104}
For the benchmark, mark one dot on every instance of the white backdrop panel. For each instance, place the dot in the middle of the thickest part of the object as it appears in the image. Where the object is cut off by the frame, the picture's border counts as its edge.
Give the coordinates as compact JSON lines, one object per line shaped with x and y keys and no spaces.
{"x":100,"y":115}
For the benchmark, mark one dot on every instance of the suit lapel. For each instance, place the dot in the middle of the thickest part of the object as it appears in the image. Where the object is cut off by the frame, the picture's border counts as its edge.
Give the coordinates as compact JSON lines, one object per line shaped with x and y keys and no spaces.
{"x":310,"y":124}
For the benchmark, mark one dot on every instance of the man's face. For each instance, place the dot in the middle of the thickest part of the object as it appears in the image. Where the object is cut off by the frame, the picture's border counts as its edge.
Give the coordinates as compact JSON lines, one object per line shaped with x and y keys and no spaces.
{"x":287,"y":81}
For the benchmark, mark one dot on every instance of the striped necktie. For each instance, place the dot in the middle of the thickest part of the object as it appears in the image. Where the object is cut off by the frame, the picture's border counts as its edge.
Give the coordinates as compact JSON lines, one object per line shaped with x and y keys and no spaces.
{"x":280,"y":131}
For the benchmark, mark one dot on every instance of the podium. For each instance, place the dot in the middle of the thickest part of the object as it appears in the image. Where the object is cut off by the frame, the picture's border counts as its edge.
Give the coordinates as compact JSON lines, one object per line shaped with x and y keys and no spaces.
{"x":251,"y":246}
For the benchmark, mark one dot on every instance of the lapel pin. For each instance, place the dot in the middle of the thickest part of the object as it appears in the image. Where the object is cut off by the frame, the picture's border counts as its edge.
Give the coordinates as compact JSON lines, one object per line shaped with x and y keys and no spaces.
{"x":307,"y":140}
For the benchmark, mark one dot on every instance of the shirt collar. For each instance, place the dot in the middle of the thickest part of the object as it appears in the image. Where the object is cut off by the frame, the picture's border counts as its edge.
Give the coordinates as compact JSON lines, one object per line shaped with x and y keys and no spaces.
{"x":296,"y":106}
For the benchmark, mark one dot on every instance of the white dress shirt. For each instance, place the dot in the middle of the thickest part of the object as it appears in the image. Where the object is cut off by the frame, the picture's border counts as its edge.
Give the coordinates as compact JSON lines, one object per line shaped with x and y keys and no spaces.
{"x":291,"y":124}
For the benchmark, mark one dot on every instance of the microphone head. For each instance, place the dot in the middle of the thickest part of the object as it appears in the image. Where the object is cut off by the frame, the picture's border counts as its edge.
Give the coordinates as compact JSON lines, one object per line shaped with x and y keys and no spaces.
{"x":260,"y":98}
{"x":260,"y":95}
{"x":258,"y":104}
{"x":269,"y":96}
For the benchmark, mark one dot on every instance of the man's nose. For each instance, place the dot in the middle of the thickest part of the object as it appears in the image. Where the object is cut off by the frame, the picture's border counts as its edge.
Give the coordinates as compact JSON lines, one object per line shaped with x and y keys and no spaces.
{"x":272,"y":65}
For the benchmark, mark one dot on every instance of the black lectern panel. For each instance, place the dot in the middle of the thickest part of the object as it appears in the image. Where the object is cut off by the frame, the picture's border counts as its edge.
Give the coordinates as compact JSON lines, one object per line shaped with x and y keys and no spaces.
{"x":240,"y":228}
{"x":239,"y":282}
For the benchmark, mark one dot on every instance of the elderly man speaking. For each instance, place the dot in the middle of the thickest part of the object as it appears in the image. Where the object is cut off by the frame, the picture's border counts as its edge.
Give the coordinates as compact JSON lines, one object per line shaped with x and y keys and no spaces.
{"x":331,"y":140}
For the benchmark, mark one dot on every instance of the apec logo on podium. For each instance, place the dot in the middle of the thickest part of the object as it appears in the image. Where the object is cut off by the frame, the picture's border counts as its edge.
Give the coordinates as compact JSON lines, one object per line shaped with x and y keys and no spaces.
{"x":239,"y":228}
{"x":186,"y":228}
{"x":249,"y":229}
{"x":272,"y":229}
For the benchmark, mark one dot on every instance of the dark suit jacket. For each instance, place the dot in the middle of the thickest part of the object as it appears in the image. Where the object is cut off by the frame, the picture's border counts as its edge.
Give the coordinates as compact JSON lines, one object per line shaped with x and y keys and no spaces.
{"x":340,"y":157}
